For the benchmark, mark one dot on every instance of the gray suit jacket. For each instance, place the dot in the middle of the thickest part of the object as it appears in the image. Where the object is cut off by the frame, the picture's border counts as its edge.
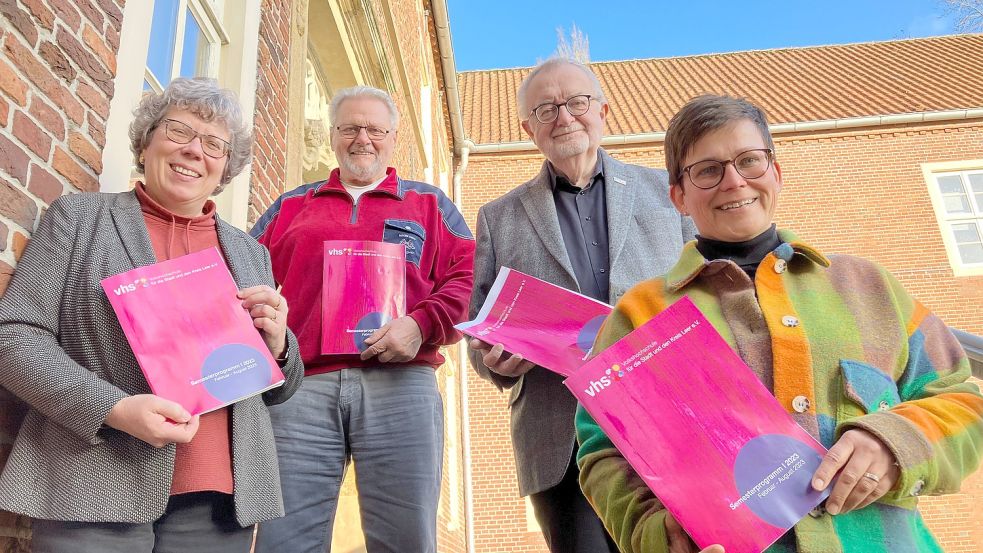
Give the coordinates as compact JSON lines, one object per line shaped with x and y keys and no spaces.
{"x":63,"y":352}
{"x":520,"y":230}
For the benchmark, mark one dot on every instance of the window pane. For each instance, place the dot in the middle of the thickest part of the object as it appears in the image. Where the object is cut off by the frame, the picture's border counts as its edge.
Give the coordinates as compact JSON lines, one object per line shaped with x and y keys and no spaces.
{"x":160,"y":56}
{"x":195,"y":48}
{"x":951,"y":184}
{"x":976,"y":185}
{"x":956,"y":204}
{"x":971,"y":253}
{"x":966,"y":233}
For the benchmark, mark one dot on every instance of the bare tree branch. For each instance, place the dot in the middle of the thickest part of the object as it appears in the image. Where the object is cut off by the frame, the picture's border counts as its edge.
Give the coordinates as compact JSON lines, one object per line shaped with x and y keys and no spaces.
{"x":969,"y":12}
{"x":576,"y":48}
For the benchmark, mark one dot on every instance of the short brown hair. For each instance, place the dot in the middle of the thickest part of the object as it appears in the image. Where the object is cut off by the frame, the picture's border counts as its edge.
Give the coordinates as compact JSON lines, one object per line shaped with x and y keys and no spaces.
{"x":206,"y":99}
{"x":702,"y":115}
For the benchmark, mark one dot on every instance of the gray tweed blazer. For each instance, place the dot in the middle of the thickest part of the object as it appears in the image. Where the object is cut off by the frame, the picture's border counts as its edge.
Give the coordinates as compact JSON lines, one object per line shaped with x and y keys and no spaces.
{"x":63,"y":352}
{"x":520,"y":230}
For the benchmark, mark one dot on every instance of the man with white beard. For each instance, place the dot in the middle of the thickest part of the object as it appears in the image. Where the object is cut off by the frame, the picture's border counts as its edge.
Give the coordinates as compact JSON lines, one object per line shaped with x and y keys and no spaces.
{"x":381,"y":409}
{"x":586,"y":222}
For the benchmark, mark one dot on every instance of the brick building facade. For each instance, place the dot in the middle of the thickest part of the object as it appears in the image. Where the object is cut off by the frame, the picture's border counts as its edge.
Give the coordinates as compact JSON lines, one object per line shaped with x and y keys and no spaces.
{"x":67,"y":88}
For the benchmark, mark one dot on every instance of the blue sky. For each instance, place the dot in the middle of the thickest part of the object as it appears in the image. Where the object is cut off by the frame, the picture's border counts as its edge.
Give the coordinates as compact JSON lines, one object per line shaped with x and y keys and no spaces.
{"x":512,"y":33}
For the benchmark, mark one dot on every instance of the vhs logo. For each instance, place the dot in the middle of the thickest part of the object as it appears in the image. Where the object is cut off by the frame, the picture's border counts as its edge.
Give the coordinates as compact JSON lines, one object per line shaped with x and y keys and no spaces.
{"x":612,"y":375}
{"x":132,"y":287}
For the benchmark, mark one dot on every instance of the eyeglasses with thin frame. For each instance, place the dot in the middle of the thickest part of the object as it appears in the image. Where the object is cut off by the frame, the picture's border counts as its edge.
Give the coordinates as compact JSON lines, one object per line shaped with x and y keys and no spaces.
{"x":547,"y":112}
{"x":750,"y":164}
{"x":211,"y":145}
{"x":373,"y":132}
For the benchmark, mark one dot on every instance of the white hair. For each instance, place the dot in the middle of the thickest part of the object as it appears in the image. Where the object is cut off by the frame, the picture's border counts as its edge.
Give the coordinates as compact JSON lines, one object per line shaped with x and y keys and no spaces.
{"x":362,"y":92}
{"x":548,"y":65}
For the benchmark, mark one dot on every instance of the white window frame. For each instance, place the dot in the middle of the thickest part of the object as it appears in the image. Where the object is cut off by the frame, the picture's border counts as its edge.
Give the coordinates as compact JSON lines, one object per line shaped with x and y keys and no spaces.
{"x":932,"y":172}
{"x":236,"y":24}
{"x":210,"y":25}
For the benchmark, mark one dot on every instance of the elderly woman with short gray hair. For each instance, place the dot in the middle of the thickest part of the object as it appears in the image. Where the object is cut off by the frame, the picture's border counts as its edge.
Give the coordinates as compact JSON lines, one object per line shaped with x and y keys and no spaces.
{"x":101,"y":463}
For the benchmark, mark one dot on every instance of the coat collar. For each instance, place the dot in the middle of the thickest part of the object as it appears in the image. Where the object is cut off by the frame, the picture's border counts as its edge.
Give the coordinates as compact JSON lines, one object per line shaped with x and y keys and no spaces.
{"x":691,"y":263}
{"x":537,"y":200}
{"x":132,"y":230}
{"x":389,"y":185}
{"x":619,"y":192}
{"x":619,"y":195}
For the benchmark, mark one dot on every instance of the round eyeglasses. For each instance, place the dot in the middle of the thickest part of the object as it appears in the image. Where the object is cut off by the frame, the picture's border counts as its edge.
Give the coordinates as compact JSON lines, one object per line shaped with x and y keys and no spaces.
{"x":750,"y":164}
{"x":351,"y":131}
{"x":547,"y":112}
{"x":181,"y":133}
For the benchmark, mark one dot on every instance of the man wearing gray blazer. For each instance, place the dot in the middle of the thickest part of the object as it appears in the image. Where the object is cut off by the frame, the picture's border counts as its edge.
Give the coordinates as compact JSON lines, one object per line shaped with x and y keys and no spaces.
{"x":586,"y":222}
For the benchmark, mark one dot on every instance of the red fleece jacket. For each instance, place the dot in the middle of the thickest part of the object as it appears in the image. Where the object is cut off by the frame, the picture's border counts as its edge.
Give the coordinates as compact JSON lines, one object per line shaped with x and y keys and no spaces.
{"x":440,"y":257}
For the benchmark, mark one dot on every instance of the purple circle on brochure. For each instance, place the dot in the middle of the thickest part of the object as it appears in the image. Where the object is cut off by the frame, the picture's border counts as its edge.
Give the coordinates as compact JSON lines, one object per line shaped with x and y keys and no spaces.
{"x":235,"y":370}
{"x":585,"y":340}
{"x":366,"y":326}
{"x":787,"y":465}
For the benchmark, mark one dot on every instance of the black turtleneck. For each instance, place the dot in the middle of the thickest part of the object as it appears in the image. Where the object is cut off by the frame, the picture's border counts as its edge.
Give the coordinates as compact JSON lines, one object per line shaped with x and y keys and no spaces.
{"x":747,"y":254}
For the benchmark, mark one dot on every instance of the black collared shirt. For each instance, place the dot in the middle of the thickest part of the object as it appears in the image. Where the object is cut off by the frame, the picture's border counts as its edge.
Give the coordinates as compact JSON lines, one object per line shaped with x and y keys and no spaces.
{"x":582,"y":214}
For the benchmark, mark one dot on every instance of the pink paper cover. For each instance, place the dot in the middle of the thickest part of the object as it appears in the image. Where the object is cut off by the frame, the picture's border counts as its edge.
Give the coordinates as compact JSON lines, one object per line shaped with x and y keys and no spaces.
{"x":364,"y":287}
{"x":194,"y":342}
{"x":548,"y":325}
{"x":701,"y":430}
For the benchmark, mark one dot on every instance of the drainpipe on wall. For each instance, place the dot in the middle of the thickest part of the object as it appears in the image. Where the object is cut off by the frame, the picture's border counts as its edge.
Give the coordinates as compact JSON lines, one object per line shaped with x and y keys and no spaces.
{"x":462,"y":145}
{"x":462,"y":166}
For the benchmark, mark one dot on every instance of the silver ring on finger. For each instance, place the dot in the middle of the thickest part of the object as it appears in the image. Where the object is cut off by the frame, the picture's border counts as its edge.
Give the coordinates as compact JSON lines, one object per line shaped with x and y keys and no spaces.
{"x":872,"y":476}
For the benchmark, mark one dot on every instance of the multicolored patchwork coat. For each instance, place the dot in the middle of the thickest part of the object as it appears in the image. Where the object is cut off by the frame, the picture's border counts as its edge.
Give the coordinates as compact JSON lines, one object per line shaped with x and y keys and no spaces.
{"x":841,"y":345}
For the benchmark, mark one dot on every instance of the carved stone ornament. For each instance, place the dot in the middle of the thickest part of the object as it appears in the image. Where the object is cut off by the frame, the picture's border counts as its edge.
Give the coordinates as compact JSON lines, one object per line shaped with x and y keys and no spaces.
{"x":317,"y":147}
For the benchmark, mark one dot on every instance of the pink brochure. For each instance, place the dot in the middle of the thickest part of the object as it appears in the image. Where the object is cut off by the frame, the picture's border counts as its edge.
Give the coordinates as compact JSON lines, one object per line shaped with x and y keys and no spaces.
{"x":191,"y":336}
{"x":363,"y":288}
{"x":705,"y":435}
{"x":546,"y":324}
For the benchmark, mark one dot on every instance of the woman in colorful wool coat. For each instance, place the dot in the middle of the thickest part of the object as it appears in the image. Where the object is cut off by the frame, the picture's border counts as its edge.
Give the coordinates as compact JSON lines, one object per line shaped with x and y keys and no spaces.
{"x":857,"y":362}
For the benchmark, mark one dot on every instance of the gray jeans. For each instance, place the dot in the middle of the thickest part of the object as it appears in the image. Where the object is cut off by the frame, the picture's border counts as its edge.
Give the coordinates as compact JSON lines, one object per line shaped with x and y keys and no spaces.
{"x":193,"y":523}
{"x":389,"y":421}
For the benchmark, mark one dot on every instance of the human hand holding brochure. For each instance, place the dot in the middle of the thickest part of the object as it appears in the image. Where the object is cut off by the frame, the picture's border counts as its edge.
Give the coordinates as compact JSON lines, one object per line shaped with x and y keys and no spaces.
{"x":363,"y":288}
{"x":546,"y":324}
{"x":193,"y":340}
{"x":700,"y":429}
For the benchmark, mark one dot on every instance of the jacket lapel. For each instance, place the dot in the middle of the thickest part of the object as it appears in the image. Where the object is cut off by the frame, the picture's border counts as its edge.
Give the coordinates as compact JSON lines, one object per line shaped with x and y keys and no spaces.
{"x":227,"y":237}
{"x":537,"y":200}
{"x":620,"y":197}
{"x":132,"y":229}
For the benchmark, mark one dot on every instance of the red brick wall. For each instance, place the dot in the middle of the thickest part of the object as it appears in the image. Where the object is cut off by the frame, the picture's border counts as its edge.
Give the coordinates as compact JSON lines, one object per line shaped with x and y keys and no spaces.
{"x":269,"y":168}
{"x":57,"y":66}
{"x":860,"y":193}
{"x":408,"y":159}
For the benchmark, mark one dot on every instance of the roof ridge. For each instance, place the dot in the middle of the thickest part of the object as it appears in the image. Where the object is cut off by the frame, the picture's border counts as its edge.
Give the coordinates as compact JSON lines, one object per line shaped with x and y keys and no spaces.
{"x":750,"y":51}
{"x":796,"y":84}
